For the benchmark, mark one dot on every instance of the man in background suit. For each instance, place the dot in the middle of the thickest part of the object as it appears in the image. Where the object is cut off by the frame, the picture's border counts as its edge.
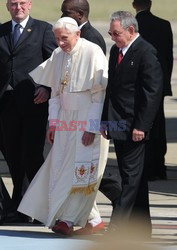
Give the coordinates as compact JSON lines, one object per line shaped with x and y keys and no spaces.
{"x":133,"y":96}
{"x":79,"y":10}
{"x":5,"y":200}
{"x":158,"y":32}
{"x":24,"y":104}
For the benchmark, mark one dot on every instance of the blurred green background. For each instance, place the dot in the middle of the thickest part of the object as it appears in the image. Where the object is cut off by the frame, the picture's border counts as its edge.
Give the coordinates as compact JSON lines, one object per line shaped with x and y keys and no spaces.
{"x":101,"y":10}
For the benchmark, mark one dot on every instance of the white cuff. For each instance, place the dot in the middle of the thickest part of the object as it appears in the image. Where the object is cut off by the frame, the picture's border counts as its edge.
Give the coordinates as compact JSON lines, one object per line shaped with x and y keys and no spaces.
{"x":94,"y":116}
{"x":54,"y":106}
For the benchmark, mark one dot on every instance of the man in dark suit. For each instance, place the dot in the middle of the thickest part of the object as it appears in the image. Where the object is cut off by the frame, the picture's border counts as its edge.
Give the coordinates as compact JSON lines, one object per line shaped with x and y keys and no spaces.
{"x":158,"y":32}
{"x":24,"y":104}
{"x":5,"y":200}
{"x":132,"y":99}
{"x":79,"y":10}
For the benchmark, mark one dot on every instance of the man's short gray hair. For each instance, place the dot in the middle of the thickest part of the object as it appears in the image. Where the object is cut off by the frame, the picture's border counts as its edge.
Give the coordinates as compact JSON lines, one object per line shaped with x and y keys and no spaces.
{"x":66,"y":23}
{"x":126,"y":19}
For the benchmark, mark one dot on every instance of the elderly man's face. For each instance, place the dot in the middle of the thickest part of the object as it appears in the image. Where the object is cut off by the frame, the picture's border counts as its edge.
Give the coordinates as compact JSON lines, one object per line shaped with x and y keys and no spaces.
{"x":19,"y":9}
{"x":122,"y":37}
{"x":65,"y":39}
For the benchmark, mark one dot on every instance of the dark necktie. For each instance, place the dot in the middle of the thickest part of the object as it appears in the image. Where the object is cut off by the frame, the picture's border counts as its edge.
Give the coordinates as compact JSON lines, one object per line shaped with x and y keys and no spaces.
{"x":16,"y":33}
{"x":120,"y":56}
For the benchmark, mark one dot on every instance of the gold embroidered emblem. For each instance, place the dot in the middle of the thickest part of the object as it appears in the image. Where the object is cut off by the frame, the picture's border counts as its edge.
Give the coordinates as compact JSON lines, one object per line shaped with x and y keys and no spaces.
{"x":85,"y":178}
{"x":92,"y":168}
{"x":82,"y":170}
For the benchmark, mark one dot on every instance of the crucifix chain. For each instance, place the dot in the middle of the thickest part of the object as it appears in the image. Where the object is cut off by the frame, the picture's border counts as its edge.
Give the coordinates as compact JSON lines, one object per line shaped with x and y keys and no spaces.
{"x":64,"y":82}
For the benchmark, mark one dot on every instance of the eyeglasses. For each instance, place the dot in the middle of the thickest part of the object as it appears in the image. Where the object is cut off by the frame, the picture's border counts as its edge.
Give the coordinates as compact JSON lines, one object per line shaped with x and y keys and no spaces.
{"x":115,"y":34}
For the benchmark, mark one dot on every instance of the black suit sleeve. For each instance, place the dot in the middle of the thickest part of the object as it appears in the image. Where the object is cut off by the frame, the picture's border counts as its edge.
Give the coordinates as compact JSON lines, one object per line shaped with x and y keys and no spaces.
{"x":49,"y":42}
{"x":150,"y":94}
{"x":169,"y":52}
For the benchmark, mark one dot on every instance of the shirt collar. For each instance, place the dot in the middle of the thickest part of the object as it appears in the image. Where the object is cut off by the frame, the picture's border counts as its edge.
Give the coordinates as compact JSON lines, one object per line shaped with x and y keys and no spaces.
{"x":23,"y":23}
{"x":141,"y":11}
{"x":80,"y":27}
{"x":124,"y":50}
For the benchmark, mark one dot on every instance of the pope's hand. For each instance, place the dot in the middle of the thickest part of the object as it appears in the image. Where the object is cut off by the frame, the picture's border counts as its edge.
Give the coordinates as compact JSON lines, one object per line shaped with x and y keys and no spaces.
{"x":41,"y":95}
{"x":51,"y":134}
{"x":87,"y":138}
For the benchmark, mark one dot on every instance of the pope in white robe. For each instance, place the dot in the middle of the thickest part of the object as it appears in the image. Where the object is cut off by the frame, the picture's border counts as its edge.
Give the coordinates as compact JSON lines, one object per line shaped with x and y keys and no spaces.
{"x":65,"y":187}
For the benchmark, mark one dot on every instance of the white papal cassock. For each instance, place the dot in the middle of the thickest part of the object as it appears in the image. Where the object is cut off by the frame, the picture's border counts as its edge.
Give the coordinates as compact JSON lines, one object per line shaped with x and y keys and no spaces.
{"x":65,"y":186}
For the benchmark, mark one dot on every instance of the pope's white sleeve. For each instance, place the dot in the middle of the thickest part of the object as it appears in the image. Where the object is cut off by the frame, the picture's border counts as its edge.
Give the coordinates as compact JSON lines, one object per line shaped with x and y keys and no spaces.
{"x":94,"y":115}
{"x":97,"y":92}
{"x":54,"y":106}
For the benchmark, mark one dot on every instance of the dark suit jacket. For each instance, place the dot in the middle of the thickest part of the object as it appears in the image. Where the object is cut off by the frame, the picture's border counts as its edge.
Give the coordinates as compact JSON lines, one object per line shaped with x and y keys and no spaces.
{"x":134,"y":90}
{"x":158,"y":32}
{"x":91,"y":34}
{"x":33,"y":47}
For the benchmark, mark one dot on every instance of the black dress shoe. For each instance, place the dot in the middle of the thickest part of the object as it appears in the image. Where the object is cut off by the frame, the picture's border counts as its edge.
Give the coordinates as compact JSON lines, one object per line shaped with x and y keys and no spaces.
{"x":15,"y":217}
{"x":153,"y":178}
{"x":2,"y":218}
{"x":157,"y":177}
{"x":163,"y":176}
{"x":37,"y":222}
